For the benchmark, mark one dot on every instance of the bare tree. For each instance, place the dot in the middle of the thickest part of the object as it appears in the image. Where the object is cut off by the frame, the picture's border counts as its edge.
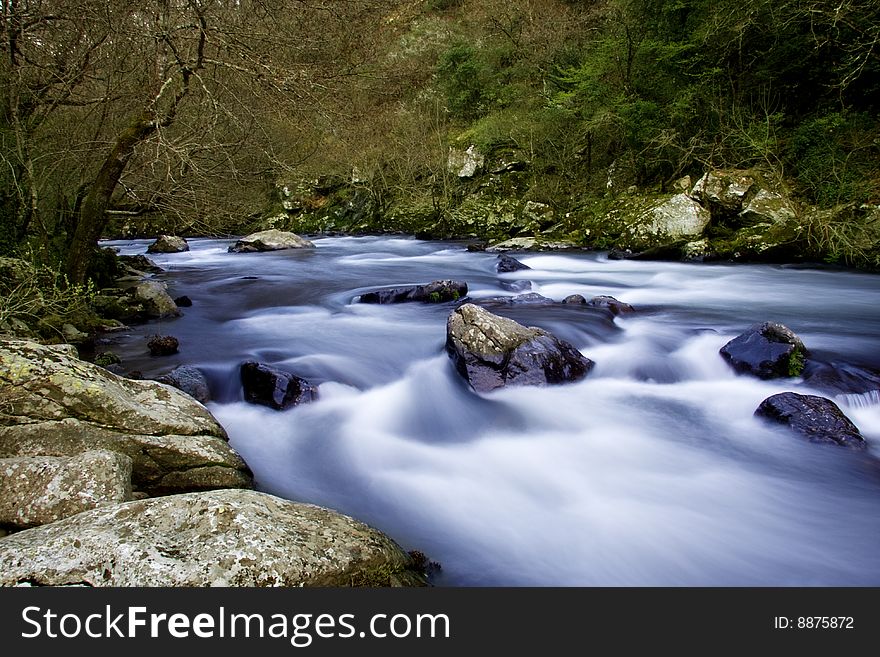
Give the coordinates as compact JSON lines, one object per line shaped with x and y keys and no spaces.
{"x":166,"y":92}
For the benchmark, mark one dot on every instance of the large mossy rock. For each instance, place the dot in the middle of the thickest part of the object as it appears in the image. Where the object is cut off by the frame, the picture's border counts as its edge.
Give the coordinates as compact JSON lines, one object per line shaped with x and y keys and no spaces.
{"x":490,"y":352}
{"x":724,"y":192}
{"x":815,"y":418}
{"x":53,"y":404}
{"x":36,"y":490}
{"x":218,"y":538}
{"x":679,"y":216}
{"x":270,"y":240}
{"x":767,"y":351}
{"x":156,"y":301}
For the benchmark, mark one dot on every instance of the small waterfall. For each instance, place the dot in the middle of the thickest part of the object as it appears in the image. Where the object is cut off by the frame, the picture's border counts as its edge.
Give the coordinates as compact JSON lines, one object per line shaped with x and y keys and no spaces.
{"x":860,"y":399}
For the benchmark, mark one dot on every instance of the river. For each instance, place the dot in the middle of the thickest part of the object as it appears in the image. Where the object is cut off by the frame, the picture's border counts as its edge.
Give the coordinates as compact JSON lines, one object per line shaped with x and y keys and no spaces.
{"x":652,"y":471}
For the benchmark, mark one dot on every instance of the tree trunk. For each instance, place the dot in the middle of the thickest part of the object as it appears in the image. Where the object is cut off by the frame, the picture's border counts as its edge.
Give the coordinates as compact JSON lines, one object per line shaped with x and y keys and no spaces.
{"x":93,"y":212}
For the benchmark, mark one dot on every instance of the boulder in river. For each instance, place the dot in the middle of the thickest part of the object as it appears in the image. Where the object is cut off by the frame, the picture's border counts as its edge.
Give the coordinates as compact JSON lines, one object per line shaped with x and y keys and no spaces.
{"x":183,"y":302}
{"x":434,"y":292}
{"x":168,"y":244}
{"x":507,"y":264}
{"x":274,"y":388}
{"x":575,"y":300}
{"x":270,"y":240}
{"x":36,"y":490}
{"x":218,"y":538}
{"x":163,"y":345}
{"x":190,"y":380}
{"x":767,"y":350}
{"x":153,"y":295}
{"x":817,"y":419}
{"x":614,"y":306}
{"x":57,"y":405}
{"x":490,"y":352}
{"x":524,"y":299}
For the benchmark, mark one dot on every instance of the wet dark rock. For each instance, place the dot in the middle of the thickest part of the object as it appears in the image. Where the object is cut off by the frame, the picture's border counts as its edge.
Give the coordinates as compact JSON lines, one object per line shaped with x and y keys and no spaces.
{"x":435,"y":292}
{"x":507,"y":264}
{"x":183,"y":302}
{"x":527,"y":299}
{"x":168,"y":244}
{"x":840,"y":378}
{"x":163,"y":345}
{"x":515,"y":286}
{"x":273,"y":387}
{"x":575,"y":299}
{"x":491,"y":352}
{"x":815,"y":418}
{"x":613,"y":305}
{"x":190,"y":380}
{"x":767,"y":350}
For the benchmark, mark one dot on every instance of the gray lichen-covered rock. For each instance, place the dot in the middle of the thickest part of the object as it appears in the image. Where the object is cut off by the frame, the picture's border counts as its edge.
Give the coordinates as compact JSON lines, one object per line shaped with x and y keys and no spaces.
{"x":270,"y":240}
{"x":465,"y":163}
{"x":679,"y":216}
{"x":491,"y":351}
{"x":219,"y":538}
{"x":155,"y":299}
{"x":767,"y":350}
{"x":53,"y":404}
{"x":724,"y":191}
{"x":36,"y":490}
{"x":815,"y":418}
{"x":529,"y":244}
{"x":767,"y":207}
{"x":168,"y":244}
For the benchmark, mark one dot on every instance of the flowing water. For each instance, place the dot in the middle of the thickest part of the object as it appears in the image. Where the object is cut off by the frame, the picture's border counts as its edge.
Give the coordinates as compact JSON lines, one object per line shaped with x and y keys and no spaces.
{"x":651,"y":471}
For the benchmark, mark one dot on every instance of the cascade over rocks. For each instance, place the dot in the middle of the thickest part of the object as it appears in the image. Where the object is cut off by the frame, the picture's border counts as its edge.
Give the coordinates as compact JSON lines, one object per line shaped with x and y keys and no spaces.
{"x":490,"y":352}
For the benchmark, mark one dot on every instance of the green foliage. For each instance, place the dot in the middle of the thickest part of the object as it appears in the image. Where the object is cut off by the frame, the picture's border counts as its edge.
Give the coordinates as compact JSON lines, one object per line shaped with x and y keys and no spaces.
{"x":464,"y":78}
{"x":443,"y":5}
{"x":835,"y":157}
{"x":796,"y":362}
{"x":39,"y":295}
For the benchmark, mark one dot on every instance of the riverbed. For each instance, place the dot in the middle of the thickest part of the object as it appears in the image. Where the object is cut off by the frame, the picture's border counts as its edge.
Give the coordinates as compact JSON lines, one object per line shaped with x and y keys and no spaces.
{"x":652,"y":471}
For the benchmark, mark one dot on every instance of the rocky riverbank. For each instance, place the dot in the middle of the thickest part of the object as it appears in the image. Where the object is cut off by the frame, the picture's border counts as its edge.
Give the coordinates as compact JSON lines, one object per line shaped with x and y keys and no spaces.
{"x":108,"y":481}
